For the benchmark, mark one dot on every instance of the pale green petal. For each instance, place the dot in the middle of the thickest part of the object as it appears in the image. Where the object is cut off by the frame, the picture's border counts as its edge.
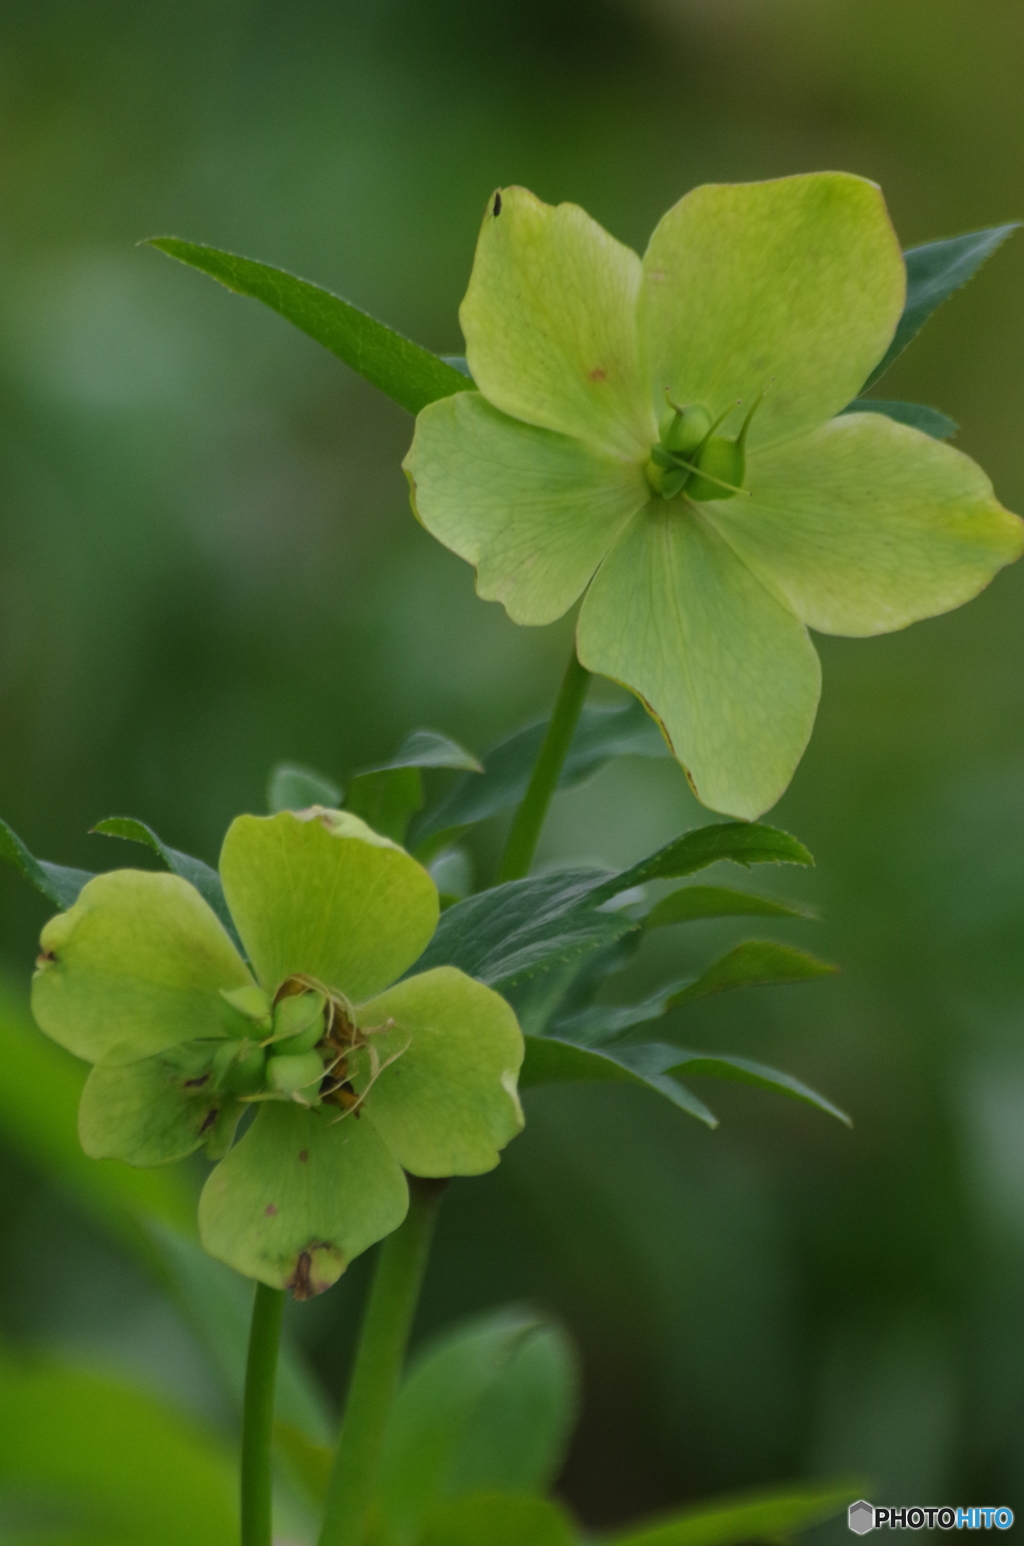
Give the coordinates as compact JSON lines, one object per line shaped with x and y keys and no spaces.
{"x":729,"y":672}
{"x":135,"y":966}
{"x":797,"y":283}
{"x":151,"y":1112}
{"x":865,"y":525}
{"x":447,"y":1104}
{"x":551,"y":327}
{"x":535,"y":512}
{"x":318,"y":893}
{"x":299,"y":1197}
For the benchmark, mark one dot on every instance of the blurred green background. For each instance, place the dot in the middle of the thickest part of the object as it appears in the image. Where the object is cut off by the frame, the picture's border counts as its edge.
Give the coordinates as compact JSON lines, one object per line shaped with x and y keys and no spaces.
{"x":208,"y":563}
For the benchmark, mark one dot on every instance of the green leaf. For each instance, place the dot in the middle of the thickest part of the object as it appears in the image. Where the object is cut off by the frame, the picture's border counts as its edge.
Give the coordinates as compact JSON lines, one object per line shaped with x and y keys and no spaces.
{"x":929,"y":420}
{"x":487,"y":1406}
{"x":934,"y":272}
{"x":750,"y":1517}
{"x":498,"y":1520}
{"x":512,"y":931}
{"x":292,"y":787}
{"x":550,"y":1060}
{"x":134,"y":1470}
{"x":693,"y":902}
{"x":195,"y":871}
{"x":601,"y":734}
{"x":386,"y":800}
{"x":755,"y":963}
{"x":743,"y":1071}
{"x":409,"y":375}
{"x":430,"y":749}
{"x":57,"y":883}
{"x":740,"y":842}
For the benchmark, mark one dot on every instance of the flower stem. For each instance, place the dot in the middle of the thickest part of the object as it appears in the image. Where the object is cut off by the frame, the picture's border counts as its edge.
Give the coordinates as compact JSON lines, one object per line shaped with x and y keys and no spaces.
{"x":529,"y":818}
{"x":378,"y":1366}
{"x":258,"y":1416}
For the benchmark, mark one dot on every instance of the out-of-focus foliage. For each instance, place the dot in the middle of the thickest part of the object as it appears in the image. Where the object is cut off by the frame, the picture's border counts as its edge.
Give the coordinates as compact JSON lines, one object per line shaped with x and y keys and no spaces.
{"x":208,"y":566}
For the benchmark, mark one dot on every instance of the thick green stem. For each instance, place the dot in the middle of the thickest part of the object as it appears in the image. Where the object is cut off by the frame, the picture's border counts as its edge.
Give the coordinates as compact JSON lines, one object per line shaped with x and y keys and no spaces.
{"x":378,"y":1366}
{"x":529,"y":819}
{"x":258,"y":1416}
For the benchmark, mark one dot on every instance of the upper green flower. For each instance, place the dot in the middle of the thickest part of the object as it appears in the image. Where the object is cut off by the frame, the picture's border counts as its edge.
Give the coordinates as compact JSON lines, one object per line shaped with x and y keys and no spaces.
{"x":354,"y":1084}
{"x":662,"y":434}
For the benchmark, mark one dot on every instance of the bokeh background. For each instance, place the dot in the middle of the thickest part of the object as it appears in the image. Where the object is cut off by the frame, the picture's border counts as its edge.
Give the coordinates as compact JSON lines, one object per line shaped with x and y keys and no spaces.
{"x":208,"y":563}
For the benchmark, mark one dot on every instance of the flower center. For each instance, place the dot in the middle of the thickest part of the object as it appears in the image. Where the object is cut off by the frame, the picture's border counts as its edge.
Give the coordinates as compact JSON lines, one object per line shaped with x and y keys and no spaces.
{"x":690,"y":458}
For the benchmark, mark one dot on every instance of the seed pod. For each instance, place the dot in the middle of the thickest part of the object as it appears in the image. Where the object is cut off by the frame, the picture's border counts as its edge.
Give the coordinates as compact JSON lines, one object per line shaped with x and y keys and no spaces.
{"x":299,"y":1021}
{"x":684,"y":430}
{"x":251,"y":1002}
{"x":724,"y":461}
{"x":290,"y":1073}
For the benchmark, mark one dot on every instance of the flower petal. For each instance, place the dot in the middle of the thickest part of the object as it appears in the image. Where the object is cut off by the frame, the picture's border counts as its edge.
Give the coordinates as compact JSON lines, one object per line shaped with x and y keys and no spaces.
{"x":865,"y":525}
{"x":299,"y":1197}
{"x":550,"y":324}
{"x":447,"y":1104}
{"x":535,"y":512}
{"x":729,"y":672}
{"x":135,"y":966}
{"x":154,"y":1111}
{"x":798,"y":282}
{"x":317,"y":892}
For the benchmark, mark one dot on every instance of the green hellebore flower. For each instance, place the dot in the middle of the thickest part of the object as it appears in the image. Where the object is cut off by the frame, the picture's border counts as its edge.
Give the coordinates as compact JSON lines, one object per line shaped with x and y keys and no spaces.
{"x":591,"y":459}
{"x":354,"y":1080}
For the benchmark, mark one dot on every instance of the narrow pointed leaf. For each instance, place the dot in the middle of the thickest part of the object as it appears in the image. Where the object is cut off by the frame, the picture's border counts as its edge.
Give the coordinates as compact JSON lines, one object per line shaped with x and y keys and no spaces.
{"x":431,"y":749}
{"x":743,"y":1071}
{"x":292,"y":787}
{"x":934,"y":272}
{"x":928,"y":420}
{"x":754,"y":1517}
{"x":549,"y":1060}
{"x":755,"y":963}
{"x":195,"y":871}
{"x":410,"y":375}
{"x":741,"y":842}
{"x":693,"y":902}
{"x":57,"y":883}
{"x":601,"y":734}
{"x":388,"y":796}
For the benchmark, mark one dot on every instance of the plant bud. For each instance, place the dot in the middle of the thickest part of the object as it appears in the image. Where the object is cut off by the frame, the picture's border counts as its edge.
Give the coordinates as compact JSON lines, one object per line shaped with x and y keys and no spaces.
{"x":684,"y":430}
{"x":290,"y":1073}
{"x":239,"y":1067}
{"x":299,"y":1022}
{"x":726,"y":462}
{"x":251,"y":1002}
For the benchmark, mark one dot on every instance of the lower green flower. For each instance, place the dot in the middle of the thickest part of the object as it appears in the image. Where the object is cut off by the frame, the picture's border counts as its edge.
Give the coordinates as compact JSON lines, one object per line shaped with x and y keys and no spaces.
{"x":354,"y":1076}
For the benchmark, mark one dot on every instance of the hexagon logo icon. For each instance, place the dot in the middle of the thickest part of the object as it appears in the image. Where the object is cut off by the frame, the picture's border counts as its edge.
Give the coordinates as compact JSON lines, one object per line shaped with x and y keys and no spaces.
{"x":861,"y":1517}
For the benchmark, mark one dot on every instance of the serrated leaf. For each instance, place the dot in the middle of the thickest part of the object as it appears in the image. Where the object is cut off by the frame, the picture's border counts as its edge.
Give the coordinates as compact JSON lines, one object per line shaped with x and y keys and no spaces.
{"x":292,"y":787}
{"x":488,"y":1406}
{"x":57,"y":883}
{"x":600,"y":735}
{"x":693,"y":902}
{"x":506,"y":934}
{"x":740,"y":842}
{"x":934,"y":272}
{"x":551,"y":1060}
{"x":410,"y":375}
{"x":199,"y":874}
{"x":928,"y":420}
{"x":730,"y":1521}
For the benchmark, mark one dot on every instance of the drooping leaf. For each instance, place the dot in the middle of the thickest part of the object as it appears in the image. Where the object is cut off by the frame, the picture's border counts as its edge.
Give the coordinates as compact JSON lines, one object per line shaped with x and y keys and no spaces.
{"x":389,"y":795}
{"x":741,"y":842}
{"x":57,"y":883}
{"x":506,"y":934}
{"x":130,"y":1468}
{"x":928,"y":420}
{"x":731,"y":1521}
{"x":693,"y":902}
{"x":743,"y":1071}
{"x":934,"y":272}
{"x":199,"y":874}
{"x":499,"y":1520}
{"x":292,"y":787}
{"x":410,"y":375}
{"x":488,"y":1406}
{"x":551,"y":1060}
{"x":600,"y":735}
{"x":431,"y":749}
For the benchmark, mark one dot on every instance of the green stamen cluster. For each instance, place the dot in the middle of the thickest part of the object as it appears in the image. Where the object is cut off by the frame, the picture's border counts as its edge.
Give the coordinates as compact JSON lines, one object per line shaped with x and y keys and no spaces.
{"x":690,"y":458}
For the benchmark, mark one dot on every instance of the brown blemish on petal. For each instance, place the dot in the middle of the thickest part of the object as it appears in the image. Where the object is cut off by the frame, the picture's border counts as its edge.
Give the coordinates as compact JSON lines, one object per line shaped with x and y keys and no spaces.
{"x":303,"y":1283}
{"x":270,"y":1210}
{"x":45,"y":958}
{"x":209,"y":1119}
{"x":496,"y":208}
{"x":196,"y":1084}
{"x":303,"y":1156}
{"x":599,"y":373}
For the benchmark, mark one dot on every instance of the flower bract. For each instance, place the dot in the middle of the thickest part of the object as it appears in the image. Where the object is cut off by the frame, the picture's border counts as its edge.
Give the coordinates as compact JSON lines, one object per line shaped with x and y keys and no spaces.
{"x":664,"y":437}
{"x":353,"y":1075}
